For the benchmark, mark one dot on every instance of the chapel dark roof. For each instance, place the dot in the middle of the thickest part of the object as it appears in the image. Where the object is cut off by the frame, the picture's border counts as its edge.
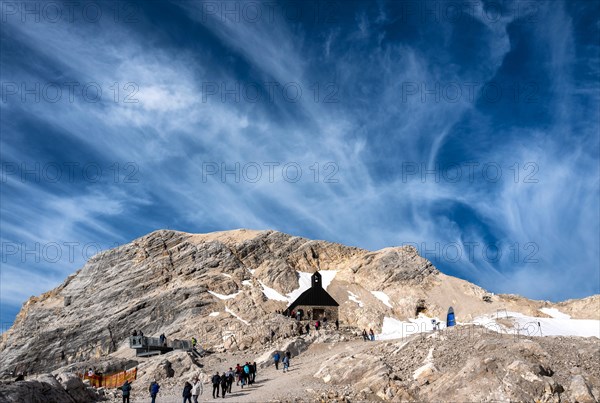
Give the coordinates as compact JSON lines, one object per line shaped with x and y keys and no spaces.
{"x":315,"y":295}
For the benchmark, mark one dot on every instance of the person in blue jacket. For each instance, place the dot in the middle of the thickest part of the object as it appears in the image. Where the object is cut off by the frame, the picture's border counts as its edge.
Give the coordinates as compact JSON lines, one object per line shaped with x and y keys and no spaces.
{"x":153,"y":389}
{"x":126,"y":389}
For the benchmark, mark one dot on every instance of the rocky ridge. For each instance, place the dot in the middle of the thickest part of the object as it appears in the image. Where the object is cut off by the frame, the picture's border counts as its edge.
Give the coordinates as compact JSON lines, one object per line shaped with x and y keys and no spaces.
{"x":219,"y":288}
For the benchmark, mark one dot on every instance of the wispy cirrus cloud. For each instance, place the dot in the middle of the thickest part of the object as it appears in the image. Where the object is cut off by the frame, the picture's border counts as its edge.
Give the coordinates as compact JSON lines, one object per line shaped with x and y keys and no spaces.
{"x":379,"y":133}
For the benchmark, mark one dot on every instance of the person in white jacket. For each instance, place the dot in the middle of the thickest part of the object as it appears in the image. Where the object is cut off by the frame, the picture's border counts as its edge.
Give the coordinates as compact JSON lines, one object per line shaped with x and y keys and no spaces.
{"x":197,"y":389}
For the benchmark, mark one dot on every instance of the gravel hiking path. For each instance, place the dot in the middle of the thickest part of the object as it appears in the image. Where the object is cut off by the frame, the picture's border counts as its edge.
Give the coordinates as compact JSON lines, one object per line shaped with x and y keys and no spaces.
{"x":272,"y":384}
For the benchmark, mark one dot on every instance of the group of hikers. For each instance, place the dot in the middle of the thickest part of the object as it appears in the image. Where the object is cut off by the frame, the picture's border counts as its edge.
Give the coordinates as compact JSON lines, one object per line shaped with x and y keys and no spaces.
{"x":285,"y":361}
{"x":243,"y":375}
{"x":298,"y":329}
{"x":190,"y":390}
{"x":299,"y":315}
{"x":162,"y":338}
{"x":221,"y":383}
{"x":368,"y":336}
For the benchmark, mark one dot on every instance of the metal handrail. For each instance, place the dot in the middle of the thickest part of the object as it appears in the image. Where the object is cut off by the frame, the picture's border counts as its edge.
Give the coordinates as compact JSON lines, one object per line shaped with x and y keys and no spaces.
{"x":144,"y":341}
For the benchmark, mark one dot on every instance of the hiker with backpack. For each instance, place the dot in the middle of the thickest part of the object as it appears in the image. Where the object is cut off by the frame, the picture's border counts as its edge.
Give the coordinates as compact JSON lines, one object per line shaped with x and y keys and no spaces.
{"x":216,"y":381}
{"x":187,"y":393}
{"x":307,"y":327}
{"x":251,"y":373}
{"x":223,"y":385}
{"x":247,"y":373}
{"x":229,"y":376}
{"x":276,"y":358}
{"x":197,"y":389}
{"x":126,"y":389}
{"x":153,"y":389}
{"x":255,"y":371}
{"x":372,"y":335}
{"x":244,"y":379}
{"x":365,"y":335}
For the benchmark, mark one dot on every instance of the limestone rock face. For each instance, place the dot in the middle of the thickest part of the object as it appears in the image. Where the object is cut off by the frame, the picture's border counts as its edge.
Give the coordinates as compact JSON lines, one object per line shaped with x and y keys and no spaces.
{"x":451,"y":367}
{"x":45,"y":388}
{"x":35,"y":392}
{"x":223,"y":288}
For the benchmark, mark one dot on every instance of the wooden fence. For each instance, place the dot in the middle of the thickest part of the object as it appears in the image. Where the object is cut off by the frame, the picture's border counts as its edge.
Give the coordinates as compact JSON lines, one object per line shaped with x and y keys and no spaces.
{"x":111,"y":380}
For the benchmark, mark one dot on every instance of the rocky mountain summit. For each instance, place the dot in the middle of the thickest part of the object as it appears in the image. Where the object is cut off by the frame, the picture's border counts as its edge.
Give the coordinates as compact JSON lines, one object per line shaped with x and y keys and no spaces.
{"x":223,"y":288}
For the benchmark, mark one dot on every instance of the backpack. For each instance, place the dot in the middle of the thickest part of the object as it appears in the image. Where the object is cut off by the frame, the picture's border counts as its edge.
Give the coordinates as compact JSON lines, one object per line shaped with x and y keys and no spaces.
{"x":246,"y":369}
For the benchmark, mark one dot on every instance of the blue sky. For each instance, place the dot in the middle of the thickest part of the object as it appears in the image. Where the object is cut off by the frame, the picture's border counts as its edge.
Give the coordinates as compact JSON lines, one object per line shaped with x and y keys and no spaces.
{"x":468,"y":129}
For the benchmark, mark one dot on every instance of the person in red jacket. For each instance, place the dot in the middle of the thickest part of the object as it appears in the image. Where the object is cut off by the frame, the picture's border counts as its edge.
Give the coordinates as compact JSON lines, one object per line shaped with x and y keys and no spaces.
{"x":238,"y":375}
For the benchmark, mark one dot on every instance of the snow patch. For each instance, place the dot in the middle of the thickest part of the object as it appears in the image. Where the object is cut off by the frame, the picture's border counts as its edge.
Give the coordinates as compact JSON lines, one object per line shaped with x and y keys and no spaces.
{"x":380,"y":295}
{"x":354,"y":298}
{"x":397,"y":329}
{"x":227,"y":275}
{"x":528,"y":325}
{"x":247,"y":282}
{"x":271,"y":293}
{"x":555,"y":313}
{"x":327,"y":277}
{"x":221,"y":296}
{"x":213,"y":314}
{"x":229,"y":311}
{"x":303,"y":285}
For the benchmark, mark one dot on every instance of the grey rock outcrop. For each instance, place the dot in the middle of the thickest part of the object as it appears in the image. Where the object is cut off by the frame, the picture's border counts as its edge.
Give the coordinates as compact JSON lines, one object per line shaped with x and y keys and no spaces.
{"x":483,"y":368}
{"x":212,"y":286}
{"x":45,"y":388}
{"x":160,"y":283}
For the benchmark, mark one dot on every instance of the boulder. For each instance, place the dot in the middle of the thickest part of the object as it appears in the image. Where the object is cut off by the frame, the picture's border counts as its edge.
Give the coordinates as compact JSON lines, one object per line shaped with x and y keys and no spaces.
{"x":76,"y":388}
{"x":425,"y":374}
{"x":294,"y":346}
{"x":579,"y":390}
{"x":35,"y":391}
